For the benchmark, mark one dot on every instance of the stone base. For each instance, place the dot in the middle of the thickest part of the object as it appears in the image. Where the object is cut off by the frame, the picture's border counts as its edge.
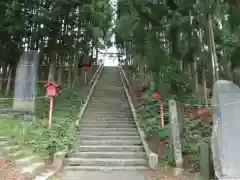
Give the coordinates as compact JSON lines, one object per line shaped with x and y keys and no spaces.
{"x":153,"y":160}
{"x":23,"y":105}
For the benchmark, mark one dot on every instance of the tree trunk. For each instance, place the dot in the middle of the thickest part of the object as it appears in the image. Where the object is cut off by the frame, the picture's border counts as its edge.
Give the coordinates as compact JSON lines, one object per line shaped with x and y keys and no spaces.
{"x":52,"y":67}
{"x":60,"y":70}
{"x":205,"y":94}
{"x":195,"y":75}
{"x":9,"y":79}
{"x":189,"y":71}
{"x":212,"y":48}
{"x":76,"y":71}
{"x":69,"y":75}
{"x":3,"y":75}
{"x":70,"y":71}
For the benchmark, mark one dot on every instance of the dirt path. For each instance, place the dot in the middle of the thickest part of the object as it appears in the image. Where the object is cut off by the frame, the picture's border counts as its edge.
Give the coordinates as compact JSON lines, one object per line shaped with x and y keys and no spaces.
{"x":8,"y":171}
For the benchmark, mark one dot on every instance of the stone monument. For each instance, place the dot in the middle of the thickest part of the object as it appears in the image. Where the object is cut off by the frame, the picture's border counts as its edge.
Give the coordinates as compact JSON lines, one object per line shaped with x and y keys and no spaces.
{"x":226,"y":132}
{"x":25,"y":82}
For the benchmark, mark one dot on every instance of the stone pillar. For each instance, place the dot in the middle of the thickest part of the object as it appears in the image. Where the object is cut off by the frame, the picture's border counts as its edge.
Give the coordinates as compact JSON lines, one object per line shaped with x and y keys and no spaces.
{"x":26,"y":81}
{"x":225,"y":133}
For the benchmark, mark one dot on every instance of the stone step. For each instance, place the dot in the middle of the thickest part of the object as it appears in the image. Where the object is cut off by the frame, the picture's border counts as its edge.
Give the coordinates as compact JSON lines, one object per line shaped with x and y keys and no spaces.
{"x":107,"y":100}
{"x":104,"y":168}
{"x":111,"y":109}
{"x":4,"y":138}
{"x":110,"y":86}
{"x":32,"y":170}
{"x":99,"y":107}
{"x":87,"y":148}
{"x":107,"y":129}
{"x":26,"y":161}
{"x":108,"y":133}
{"x":109,"y":95}
{"x":98,"y":101}
{"x":4,"y":143}
{"x":104,"y":162}
{"x":10,"y":149}
{"x":108,"y":122}
{"x":118,"y":126}
{"x":110,"y":142}
{"x":94,"y":137}
{"x":115,"y":115}
{"x":103,"y":109}
{"x":109,"y":116}
{"x":109,"y":105}
{"x":102,"y":104}
{"x":110,"y":89}
{"x":16,"y":153}
{"x":48,"y":174}
{"x":86,"y":119}
{"x":117,"y":94}
{"x":108,"y":112}
{"x":120,"y":155}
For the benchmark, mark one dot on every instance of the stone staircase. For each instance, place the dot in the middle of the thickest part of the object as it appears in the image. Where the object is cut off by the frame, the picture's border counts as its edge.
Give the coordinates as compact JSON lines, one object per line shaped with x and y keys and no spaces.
{"x":108,"y":137}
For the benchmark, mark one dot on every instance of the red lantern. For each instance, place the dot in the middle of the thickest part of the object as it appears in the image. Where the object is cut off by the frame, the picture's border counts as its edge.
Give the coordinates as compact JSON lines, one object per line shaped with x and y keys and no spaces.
{"x":52,"y":89}
{"x":85,"y":67}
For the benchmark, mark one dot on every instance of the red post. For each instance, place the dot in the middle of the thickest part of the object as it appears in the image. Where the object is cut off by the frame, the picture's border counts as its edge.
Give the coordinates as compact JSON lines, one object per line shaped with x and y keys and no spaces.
{"x":161,"y":112}
{"x":158,"y":97}
{"x":85,"y":69}
{"x":85,"y":77}
{"x":50,"y":113}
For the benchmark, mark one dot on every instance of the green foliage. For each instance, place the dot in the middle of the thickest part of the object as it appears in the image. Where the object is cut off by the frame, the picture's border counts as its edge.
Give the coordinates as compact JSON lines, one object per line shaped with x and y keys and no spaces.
{"x":60,"y":138}
{"x":62,"y":27}
{"x":35,"y":136}
{"x":150,"y":118}
{"x":195,"y":132}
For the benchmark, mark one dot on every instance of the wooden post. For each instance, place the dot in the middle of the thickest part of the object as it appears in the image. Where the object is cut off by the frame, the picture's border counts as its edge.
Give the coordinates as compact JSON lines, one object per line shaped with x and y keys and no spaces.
{"x":175,"y":134}
{"x":206,"y":163}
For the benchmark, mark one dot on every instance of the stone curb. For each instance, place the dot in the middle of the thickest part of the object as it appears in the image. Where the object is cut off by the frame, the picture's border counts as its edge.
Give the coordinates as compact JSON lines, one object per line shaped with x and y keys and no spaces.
{"x":95,"y":74}
{"x":58,"y":159}
{"x":79,"y":117}
{"x":152,"y":157}
{"x":57,"y":165}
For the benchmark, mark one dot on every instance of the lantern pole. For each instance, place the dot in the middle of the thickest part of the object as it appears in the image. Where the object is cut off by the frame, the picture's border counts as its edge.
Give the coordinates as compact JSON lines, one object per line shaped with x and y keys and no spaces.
{"x":50,"y":113}
{"x":85,"y":77}
{"x":161,"y":112}
{"x":158,"y":97}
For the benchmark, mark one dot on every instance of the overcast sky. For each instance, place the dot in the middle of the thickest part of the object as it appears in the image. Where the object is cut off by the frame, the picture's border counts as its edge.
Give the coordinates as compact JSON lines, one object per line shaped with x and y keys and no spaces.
{"x":108,"y":59}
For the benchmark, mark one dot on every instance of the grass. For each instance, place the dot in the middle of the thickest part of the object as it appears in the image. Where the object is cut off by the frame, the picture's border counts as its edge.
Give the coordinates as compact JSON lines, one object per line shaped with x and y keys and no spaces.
{"x":34,"y":138}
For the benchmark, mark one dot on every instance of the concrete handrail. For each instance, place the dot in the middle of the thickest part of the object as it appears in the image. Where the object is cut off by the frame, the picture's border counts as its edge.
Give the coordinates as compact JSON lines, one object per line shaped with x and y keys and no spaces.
{"x":79,"y":117}
{"x":95,"y":74}
{"x":152,"y":157}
